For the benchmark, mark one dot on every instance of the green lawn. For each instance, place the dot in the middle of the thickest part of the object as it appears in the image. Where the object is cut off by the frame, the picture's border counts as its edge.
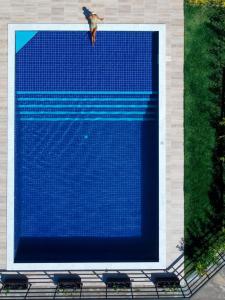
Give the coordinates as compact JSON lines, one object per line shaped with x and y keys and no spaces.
{"x":203,"y":146}
{"x":199,"y":134}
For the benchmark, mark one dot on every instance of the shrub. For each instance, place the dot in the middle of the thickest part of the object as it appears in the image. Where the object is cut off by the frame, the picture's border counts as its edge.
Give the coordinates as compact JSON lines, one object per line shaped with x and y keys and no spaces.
{"x":210,"y":256}
{"x":207,"y":2}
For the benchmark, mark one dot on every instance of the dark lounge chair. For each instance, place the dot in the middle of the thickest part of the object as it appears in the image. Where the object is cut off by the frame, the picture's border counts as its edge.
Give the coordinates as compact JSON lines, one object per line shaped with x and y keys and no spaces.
{"x":166,"y":280}
{"x":117,"y":281}
{"x":15,"y":282}
{"x":67,"y":281}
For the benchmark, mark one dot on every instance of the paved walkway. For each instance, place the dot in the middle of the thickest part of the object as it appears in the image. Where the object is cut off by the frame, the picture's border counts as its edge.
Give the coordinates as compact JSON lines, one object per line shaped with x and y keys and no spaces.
{"x":214,"y":289}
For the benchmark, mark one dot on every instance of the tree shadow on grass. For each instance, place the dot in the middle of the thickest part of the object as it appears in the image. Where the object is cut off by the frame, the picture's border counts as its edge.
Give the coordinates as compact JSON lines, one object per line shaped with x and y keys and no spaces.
{"x":199,"y":234}
{"x":203,"y":232}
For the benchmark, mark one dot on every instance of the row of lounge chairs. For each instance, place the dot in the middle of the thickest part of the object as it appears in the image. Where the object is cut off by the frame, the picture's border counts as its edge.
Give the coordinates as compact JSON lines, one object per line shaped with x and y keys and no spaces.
{"x":73,"y":282}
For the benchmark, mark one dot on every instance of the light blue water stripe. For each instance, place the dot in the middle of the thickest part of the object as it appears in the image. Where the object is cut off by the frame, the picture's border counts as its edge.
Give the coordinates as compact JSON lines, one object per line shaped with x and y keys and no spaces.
{"x":82,"y":106}
{"x":84,"y":113}
{"x":86,"y":119}
{"x":86,"y":92}
{"x":87,"y":99}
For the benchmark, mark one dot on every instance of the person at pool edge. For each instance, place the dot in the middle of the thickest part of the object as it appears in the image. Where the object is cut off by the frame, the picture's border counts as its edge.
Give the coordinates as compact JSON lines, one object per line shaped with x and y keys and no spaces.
{"x":94,"y":18}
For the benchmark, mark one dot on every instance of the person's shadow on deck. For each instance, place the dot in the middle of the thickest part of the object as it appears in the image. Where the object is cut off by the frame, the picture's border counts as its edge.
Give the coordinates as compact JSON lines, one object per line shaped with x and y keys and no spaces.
{"x":87,"y":14}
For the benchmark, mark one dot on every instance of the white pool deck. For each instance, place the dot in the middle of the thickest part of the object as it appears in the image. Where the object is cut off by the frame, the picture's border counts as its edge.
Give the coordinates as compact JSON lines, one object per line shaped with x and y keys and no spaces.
{"x":170,"y":16}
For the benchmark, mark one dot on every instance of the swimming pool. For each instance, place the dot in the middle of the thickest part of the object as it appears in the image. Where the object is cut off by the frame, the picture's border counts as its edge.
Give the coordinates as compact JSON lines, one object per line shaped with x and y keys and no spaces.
{"x":86,"y":147}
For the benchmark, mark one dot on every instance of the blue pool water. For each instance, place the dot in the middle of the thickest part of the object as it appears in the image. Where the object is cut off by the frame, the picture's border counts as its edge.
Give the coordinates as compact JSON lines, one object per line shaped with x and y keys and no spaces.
{"x":86,"y":147}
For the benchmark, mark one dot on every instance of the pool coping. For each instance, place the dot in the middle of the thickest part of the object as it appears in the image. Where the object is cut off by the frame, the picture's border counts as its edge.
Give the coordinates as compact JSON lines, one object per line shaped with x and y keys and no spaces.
{"x":161,"y":28}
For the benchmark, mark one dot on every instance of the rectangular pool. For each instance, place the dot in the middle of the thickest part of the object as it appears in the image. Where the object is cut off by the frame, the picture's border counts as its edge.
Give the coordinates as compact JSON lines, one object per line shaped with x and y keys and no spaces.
{"x":86,"y":169}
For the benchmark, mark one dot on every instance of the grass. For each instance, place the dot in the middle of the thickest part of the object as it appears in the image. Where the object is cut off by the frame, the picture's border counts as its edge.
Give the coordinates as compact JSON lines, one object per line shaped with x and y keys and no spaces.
{"x":200,"y":138}
{"x":204,"y":148}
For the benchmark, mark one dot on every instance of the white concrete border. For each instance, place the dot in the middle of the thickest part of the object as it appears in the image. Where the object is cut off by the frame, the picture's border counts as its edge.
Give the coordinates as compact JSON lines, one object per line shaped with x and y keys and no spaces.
{"x":161,"y":28}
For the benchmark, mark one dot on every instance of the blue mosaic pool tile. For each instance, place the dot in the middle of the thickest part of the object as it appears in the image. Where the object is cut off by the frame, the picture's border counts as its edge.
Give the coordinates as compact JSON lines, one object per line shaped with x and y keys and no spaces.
{"x":93,"y":172}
